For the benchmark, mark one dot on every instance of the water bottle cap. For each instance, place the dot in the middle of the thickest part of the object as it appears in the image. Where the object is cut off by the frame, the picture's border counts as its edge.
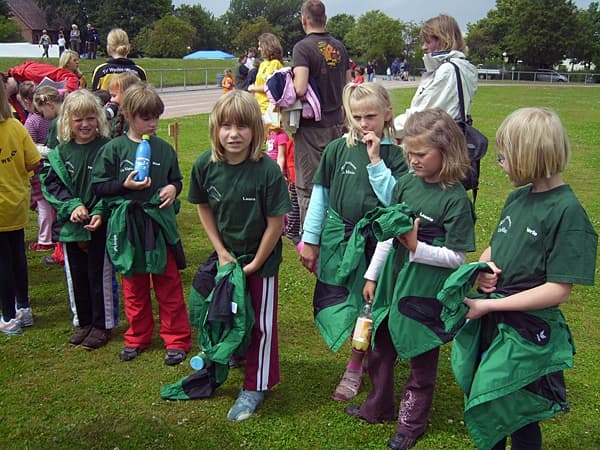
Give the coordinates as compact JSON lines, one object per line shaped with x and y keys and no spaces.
{"x":145,"y":137}
{"x":197,"y":362}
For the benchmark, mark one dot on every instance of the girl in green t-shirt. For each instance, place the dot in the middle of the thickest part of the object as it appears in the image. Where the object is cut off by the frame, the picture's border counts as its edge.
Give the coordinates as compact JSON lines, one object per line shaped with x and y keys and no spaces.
{"x":406,"y":273}
{"x":242,"y":198}
{"x":341,"y":196}
{"x":543,"y":244}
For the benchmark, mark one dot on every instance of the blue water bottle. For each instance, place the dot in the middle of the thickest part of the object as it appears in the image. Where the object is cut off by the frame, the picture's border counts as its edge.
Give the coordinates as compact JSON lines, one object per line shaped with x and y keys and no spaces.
{"x":143,"y":153}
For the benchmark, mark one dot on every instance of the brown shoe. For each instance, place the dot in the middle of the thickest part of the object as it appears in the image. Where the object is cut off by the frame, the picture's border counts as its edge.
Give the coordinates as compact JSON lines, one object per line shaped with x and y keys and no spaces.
{"x":80,"y":335}
{"x":96,"y":339}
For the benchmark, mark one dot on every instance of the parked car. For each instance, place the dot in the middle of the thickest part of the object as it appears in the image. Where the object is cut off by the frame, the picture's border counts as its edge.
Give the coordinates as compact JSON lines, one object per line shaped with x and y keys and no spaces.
{"x":549,"y":75}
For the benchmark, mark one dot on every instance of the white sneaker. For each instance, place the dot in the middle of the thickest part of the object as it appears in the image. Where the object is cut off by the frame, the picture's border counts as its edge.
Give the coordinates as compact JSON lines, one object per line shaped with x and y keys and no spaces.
{"x":11,"y":327}
{"x":25,"y":317}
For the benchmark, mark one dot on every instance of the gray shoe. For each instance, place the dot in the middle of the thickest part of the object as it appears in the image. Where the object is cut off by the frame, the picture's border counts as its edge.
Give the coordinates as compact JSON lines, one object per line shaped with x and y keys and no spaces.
{"x":245,"y":405}
{"x":10,"y":328}
{"x":25,"y":317}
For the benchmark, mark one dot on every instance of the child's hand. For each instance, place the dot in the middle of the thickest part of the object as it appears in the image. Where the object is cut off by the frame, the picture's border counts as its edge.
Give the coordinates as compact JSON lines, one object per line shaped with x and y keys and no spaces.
{"x":309,"y":255}
{"x":95,"y":222}
{"x":409,"y":239}
{"x":80,"y":214}
{"x":225,"y":258}
{"x":130,"y":183}
{"x":478,"y":307}
{"x":486,"y":282}
{"x":369,"y":290}
{"x":167,"y":195}
{"x":372,"y":141}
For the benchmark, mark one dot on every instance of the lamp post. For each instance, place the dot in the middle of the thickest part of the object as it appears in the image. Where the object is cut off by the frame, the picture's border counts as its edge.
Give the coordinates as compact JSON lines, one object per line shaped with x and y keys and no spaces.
{"x":504,"y":61}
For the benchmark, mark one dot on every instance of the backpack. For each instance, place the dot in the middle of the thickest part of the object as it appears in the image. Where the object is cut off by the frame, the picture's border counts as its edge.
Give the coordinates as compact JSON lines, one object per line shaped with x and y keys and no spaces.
{"x":477,"y":143}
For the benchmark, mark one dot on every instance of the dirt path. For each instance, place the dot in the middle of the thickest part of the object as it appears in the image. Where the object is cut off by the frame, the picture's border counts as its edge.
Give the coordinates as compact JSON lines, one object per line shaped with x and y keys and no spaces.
{"x":198,"y":101}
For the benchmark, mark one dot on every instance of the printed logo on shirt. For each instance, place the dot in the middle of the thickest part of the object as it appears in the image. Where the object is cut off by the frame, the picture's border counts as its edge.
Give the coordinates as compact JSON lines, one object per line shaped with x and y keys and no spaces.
{"x":9,"y":158}
{"x":348,"y":168}
{"x":504,"y":225}
{"x":330,"y":53}
{"x":126,"y":166}
{"x":532,"y":232}
{"x":426,"y":217}
{"x":70,"y":168}
{"x":156,"y":163}
{"x":248,"y":198}
{"x":214,"y":193}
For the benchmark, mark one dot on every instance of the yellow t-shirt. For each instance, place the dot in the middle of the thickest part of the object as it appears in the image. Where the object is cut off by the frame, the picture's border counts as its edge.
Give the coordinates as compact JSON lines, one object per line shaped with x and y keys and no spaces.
{"x":17,"y":151}
{"x":265,"y":69}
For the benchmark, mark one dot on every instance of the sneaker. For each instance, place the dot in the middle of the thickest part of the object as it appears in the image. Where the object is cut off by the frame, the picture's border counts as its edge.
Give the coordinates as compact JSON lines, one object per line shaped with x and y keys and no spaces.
{"x":10,"y":328}
{"x":97,"y":338}
{"x":80,"y":335}
{"x":174,"y":356}
{"x":48,"y":260}
{"x":129,"y":353}
{"x":245,"y":405}
{"x":25,"y":317}
{"x":34,"y":246}
{"x":349,"y":386}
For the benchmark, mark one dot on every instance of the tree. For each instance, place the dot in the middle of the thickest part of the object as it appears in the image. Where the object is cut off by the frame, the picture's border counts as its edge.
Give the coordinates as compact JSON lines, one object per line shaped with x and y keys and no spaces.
{"x":339,"y":25}
{"x":207,"y":34}
{"x":586,"y":48}
{"x":538,"y":33}
{"x":376,"y":36}
{"x":250,"y":31}
{"x":169,"y":37}
{"x":283,"y":13}
{"x":9,"y":30}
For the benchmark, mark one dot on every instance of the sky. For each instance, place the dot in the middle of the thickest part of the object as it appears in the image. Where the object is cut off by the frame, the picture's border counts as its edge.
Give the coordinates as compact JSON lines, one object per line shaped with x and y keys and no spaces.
{"x":464,"y":11}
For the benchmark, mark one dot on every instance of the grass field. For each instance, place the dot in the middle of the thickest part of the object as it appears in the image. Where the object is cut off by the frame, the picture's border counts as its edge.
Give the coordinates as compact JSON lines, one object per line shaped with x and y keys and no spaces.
{"x":160,"y":72}
{"x":57,"y":396}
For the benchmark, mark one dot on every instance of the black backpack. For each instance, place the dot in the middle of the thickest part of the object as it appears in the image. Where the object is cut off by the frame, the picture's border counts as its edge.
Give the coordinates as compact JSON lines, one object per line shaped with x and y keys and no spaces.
{"x":477,"y":143}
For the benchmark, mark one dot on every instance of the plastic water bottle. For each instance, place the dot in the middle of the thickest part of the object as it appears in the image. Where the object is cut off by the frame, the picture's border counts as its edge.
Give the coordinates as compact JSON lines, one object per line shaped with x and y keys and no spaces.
{"x":361,"y":339}
{"x":197,"y":362}
{"x":143,"y":153}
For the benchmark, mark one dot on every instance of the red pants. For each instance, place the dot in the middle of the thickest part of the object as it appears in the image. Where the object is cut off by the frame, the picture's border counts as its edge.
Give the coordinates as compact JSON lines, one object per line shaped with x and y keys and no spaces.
{"x":262,"y":356}
{"x":175,"y":328}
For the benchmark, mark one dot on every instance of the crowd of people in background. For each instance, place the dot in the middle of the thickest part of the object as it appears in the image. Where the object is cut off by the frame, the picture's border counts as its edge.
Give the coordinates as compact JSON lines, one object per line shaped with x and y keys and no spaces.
{"x":348,"y":164}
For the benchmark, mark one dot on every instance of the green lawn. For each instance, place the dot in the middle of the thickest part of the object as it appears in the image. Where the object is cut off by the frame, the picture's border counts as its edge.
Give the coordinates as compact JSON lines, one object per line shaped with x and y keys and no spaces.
{"x":57,"y":396}
{"x":160,"y":72}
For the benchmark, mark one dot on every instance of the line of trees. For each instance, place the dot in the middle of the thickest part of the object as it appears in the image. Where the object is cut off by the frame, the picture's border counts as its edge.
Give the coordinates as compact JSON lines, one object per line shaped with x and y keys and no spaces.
{"x":531,"y":32}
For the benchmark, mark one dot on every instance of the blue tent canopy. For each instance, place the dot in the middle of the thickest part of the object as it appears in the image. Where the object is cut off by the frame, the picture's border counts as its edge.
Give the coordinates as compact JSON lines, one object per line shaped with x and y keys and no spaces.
{"x":209,"y":54}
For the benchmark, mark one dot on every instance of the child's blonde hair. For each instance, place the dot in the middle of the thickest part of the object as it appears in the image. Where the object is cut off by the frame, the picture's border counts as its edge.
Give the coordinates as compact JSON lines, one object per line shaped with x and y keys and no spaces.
{"x":142,"y":100}
{"x":80,"y":103}
{"x":123,"y":80}
{"x":435,"y":128}
{"x":44,"y":95}
{"x":534,"y":143}
{"x":373,"y":95}
{"x":445,"y":29}
{"x":117,"y":42}
{"x":239,"y":108}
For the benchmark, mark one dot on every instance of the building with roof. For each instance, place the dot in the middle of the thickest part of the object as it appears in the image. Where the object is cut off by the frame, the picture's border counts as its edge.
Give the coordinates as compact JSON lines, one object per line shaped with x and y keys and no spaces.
{"x":30,"y":18}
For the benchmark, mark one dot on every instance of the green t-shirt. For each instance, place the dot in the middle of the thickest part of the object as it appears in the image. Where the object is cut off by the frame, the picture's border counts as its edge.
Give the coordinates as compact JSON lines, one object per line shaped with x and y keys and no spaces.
{"x":79,"y":160}
{"x":117,"y":158}
{"x":242,"y":196}
{"x":449,"y":209}
{"x":343,"y":170}
{"x":544,"y":237}
{"x":52,"y":139}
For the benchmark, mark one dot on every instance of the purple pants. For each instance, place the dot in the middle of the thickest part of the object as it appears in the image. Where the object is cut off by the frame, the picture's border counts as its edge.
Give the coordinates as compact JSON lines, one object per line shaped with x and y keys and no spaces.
{"x":418,"y":390}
